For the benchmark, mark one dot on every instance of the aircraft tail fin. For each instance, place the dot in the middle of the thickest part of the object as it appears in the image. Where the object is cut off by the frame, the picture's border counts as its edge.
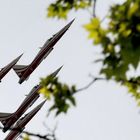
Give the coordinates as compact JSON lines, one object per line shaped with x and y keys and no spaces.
{"x":4,"y":117}
{"x":20,"y":69}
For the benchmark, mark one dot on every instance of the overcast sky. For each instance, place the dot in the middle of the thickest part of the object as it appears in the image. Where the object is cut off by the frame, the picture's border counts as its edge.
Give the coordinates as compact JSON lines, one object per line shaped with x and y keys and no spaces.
{"x":104,"y":112}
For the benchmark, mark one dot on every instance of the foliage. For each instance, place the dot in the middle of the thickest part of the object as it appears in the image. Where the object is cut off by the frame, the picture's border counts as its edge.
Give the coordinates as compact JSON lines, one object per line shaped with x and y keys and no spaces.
{"x":26,"y":137}
{"x":61,"y":8}
{"x":62,"y":94}
{"x":133,"y":86}
{"x":119,"y":41}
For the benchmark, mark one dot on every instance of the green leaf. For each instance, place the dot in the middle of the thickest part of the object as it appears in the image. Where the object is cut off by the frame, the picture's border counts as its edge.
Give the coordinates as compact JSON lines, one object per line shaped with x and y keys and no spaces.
{"x":61,"y":8}
{"x":61,"y":94}
{"x":133,"y":9}
{"x":26,"y":137}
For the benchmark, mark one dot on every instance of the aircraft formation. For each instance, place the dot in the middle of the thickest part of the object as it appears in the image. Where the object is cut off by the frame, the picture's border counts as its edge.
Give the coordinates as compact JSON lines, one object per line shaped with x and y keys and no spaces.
{"x":14,"y":122}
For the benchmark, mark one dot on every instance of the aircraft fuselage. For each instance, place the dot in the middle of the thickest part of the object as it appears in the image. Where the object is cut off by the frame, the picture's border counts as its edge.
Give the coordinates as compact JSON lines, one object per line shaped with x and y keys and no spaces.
{"x":29,"y":100}
{"x":20,"y":125}
{"x":7,"y":68}
{"x":45,"y":50}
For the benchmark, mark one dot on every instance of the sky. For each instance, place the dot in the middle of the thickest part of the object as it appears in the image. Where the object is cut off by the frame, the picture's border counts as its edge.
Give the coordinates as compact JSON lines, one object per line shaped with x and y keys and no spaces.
{"x":105,"y":111}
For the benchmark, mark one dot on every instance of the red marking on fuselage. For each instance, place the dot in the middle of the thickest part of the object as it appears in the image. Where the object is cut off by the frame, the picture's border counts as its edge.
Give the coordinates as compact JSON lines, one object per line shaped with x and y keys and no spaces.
{"x":39,"y":58}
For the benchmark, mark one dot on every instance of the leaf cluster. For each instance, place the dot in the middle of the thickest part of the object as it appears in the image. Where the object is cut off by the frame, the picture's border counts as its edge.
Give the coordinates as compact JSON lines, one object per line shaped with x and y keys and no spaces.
{"x":119,"y":42}
{"x":133,"y":85}
{"x":61,"y":8}
{"x":62,"y":94}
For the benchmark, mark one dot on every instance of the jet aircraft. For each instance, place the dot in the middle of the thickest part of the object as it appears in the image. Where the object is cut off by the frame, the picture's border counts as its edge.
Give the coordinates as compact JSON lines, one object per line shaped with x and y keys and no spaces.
{"x":24,"y":71}
{"x":20,"y":125}
{"x":8,"y":67}
{"x":8,"y":119}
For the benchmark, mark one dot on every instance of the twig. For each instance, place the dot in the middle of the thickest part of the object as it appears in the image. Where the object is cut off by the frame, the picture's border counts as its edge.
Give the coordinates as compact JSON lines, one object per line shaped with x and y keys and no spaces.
{"x":94,"y":79}
{"x":52,"y":131}
{"x":94,"y":8}
{"x":43,"y":137}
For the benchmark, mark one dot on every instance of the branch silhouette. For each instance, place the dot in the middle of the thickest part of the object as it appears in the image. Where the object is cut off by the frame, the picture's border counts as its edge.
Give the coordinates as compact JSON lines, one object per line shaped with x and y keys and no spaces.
{"x":94,"y":79}
{"x":94,"y":8}
{"x":49,"y":136}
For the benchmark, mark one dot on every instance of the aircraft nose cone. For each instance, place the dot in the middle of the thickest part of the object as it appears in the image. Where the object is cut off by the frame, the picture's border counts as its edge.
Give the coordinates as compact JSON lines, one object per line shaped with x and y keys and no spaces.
{"x":72,"y":21}
{"x":56,"y":72}
{"x":69,"y":24}
{"x":19,"y":57}
{"x":42,"y":103}
{"x":20,"y":81}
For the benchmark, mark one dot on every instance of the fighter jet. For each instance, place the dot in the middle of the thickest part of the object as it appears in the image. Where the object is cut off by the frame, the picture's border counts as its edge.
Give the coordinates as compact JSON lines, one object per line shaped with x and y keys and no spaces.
{"x":7,"y":68}
{"x":8,"y":119}
{"x":20,"y":125}
{"x":24,"y":71}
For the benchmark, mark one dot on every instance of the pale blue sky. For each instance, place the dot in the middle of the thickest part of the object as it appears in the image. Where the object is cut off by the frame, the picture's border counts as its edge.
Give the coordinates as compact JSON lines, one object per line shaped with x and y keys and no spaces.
{"x":104,"y":112}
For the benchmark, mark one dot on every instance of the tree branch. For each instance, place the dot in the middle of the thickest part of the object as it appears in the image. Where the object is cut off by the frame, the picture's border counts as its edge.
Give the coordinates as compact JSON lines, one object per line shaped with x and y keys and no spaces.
{"x":50,"y":136}
{"x":94,"y":8}
{"x":94,"y":79}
